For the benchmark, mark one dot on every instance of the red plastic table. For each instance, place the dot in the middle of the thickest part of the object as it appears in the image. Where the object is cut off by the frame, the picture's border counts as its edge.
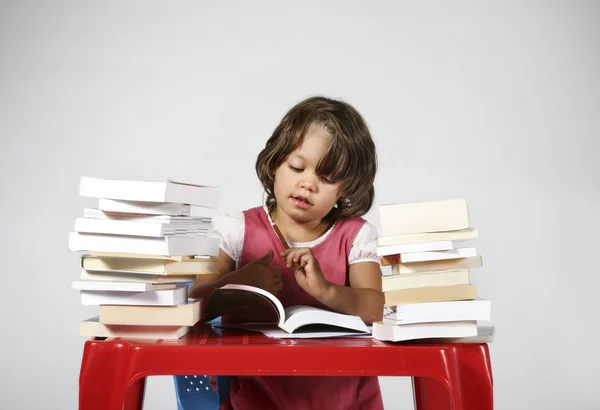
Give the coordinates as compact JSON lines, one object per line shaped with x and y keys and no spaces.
{"x":445,"y":376}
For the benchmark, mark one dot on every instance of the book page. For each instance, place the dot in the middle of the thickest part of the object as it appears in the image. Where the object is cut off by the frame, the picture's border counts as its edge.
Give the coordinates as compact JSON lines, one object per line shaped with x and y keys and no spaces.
{"x":241,"y":306}
{"x":318,"y":320}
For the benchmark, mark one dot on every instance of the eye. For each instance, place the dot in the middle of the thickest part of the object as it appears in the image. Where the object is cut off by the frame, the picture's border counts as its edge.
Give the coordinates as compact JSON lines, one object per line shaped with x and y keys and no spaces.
{"x":295,"y":169}
{"x":326,"y":180}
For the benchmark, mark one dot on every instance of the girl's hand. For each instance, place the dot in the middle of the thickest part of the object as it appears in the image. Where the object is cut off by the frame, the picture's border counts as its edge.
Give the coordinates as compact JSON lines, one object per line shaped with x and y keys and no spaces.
{"x":310,"y":278}
{"x":258,"y":273}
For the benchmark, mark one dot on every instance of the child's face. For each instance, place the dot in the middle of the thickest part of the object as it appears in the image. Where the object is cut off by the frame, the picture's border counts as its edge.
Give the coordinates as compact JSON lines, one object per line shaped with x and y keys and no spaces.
{"x":299,"y":191}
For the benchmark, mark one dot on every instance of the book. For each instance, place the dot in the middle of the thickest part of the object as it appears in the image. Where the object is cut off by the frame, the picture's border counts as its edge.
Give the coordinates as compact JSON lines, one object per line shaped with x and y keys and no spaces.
{"x":143,"y":277}
{"x":414,"y":247}
{"x":93,"y":328}
{"x":437,"y":312}
{"x":422,"y":280}
{"x":138,"y":207}
{"x":432,"y":266}
{"x":150,"y":266}
{"x":119,"y":286}
{"x":130,"y":228}
{"x":178,"y":258}
{"x":163,"y":219}
{"x":388,"y":332}
{"x":438,"y":255}
{"x":163,"y":190}
{"x":168,"y":297}
{"x":269,"y":311}
{"x":460,"y":235}
{"x":191,"y":245}
{"x":186,"y":314}
{"x":430,"y":294}
{"x":272,"y":331}
{"x":423,"y":217}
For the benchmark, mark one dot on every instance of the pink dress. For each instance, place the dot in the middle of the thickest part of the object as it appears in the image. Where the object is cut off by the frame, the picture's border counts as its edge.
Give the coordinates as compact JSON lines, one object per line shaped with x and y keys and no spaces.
{"x":306,"y":392}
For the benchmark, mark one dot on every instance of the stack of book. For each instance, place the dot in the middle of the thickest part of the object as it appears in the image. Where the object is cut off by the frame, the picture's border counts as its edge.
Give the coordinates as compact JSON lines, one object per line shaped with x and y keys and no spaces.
{"x":429,"y":294}
{"x":143,"y":248}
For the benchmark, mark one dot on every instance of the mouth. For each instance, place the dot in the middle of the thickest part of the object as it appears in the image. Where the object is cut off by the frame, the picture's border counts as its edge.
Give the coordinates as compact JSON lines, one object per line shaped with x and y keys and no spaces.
{"x":302,"y":201}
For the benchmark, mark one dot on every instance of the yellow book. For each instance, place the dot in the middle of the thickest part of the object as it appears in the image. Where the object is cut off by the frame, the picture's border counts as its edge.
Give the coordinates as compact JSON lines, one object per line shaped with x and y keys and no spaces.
{"x":430,"y":294}
{"x":187,"y":314}
{"x":157,"y":266}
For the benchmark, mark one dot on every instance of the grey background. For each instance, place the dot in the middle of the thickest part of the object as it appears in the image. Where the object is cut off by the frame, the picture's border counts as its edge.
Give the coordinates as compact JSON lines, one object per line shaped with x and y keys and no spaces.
{"x":493,"y":102}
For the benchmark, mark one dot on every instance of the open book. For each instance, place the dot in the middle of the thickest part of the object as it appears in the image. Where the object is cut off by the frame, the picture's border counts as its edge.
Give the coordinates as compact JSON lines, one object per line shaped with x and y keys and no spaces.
{"x":259,"y":310}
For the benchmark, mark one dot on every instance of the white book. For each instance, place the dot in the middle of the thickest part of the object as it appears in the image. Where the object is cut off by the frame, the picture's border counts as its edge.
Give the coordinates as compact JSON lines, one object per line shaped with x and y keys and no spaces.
{"x":139,"y":207}
{"x":93,"y":328}
{"x":423,"y":217}
{"x":485,"y":334}
{"x":414,"y":247}
{"x":241,"y":299}
{"x":438,"y":255}
{"x":120,"y":286}
{"x":416,"y":331}
{"x":167,"y":297}
{"x":167,"y":246}
{"x":129,"y":228}
{"x":275,"y":332}
{"x":163,"y":190}
{"x":163,"y":219}
{"x":438,"y":312}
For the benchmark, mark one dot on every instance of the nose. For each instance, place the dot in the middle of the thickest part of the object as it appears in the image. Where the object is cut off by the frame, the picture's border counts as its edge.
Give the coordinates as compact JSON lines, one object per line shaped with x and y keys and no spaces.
{"x":308,"y":183}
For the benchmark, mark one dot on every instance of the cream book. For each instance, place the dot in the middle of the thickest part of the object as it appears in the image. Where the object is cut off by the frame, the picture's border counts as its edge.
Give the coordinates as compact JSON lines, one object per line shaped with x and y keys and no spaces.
{"x":163,"y":190}
{"x":432,"y":266}
{"x":417,"y":331}
{"x":173,"y":245}
{"x":136,"y":217}
{"x":460,"y":235}
{"x":143,"y":277}
{"x":178,"y":258}
{"x":255,"y":306}
{"x":430,"y":294}
{"x":156,"y":230}
{"x":415,"y":247}
{"x":150,"y":266}
{"x":438,"y":255}
{"x":422,"y":280}
{"x":438,"y":312}
{"x":166,"y":297}
{"x":423,"y":217}
{"x":138,"y":207}
{"x":119,"y":286}
{"x":186,"y":314}
{"x":93,"y":328}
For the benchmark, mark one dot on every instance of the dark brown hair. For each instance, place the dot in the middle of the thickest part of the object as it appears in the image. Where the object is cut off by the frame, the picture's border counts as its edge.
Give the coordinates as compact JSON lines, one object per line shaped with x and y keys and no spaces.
{"x":351,"y":158}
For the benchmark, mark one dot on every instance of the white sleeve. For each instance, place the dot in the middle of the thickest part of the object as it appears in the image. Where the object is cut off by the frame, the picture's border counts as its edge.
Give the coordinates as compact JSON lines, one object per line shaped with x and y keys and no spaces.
{"x":364,"y":247}
{"x":229,"y":229}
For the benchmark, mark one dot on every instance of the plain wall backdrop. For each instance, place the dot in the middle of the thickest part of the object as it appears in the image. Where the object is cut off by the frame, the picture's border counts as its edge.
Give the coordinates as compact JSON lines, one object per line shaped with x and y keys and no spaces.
{"x":494,"y":102}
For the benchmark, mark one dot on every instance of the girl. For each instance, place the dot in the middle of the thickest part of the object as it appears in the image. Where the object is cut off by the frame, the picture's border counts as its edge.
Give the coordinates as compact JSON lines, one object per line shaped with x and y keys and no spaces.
{"x":317,"y":170}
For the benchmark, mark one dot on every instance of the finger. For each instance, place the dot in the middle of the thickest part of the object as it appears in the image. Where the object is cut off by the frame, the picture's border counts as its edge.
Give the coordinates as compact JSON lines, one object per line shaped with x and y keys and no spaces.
{"x":305,"y":259}
{"x":299,"y":274}
{"x":289,"y":259}
{"x":301,"y":252}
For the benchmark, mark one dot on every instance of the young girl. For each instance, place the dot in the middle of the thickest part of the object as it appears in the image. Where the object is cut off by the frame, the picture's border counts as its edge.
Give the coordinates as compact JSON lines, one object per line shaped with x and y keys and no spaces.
{"x":317,"y":170}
